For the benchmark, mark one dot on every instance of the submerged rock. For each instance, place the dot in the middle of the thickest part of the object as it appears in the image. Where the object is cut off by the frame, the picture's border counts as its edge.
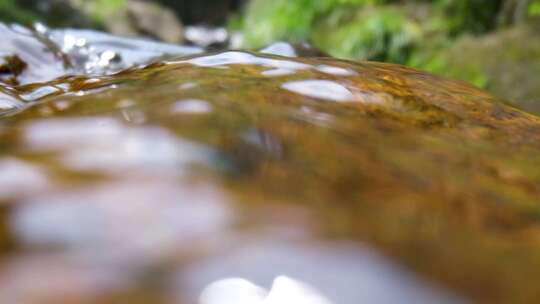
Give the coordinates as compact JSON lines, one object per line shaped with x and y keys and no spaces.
{"x":146,"y":185}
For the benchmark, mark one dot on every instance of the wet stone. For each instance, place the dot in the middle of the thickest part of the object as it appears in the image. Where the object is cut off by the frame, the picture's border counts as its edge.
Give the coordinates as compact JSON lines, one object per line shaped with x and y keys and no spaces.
{"x":147,"y":184}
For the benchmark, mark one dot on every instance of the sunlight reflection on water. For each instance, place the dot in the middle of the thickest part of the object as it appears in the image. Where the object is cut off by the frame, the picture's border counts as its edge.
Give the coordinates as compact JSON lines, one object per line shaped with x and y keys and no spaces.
{"x":344,"y":272}
{"x":105,"y":144}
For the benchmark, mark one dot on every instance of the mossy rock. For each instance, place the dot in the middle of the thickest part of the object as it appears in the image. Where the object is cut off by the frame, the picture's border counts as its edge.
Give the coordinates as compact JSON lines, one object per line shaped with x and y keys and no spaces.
{"x":505,"y":63}
{"x":438,"y":175}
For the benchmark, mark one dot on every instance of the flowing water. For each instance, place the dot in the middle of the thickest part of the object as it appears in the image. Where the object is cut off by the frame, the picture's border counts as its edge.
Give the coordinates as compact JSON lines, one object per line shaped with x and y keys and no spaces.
{"x":137,"y":172}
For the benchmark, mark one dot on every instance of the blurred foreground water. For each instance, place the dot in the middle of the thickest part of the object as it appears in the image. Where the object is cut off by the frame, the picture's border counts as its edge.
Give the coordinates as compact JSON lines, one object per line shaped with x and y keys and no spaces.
{"x":138,"y":172}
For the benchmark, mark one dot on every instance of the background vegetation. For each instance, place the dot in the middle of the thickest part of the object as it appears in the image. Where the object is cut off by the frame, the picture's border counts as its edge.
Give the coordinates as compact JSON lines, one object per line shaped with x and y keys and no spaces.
{"x":493,"y":44}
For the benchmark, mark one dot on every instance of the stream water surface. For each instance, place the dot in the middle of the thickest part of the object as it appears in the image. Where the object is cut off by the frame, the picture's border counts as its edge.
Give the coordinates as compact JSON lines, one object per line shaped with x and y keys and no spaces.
{"x":139,"y":172}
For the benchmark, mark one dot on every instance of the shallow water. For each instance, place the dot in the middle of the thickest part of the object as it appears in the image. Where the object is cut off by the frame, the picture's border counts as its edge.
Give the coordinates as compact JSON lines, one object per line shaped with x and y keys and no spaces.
{"x":368,"y":181}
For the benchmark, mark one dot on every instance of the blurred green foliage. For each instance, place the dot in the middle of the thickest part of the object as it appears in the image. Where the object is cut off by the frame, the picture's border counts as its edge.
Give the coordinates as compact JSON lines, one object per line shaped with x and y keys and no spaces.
{"x":383,"y":34}
{"x":10,"y":11}
{"x":475,"y":16}
{"x":99,"y":10}
{"x":89,"y":13}
{"x":534,"y":8}
{"x":268,"y":21}
{"x":368,"y":29}
{"x":412,"y":32}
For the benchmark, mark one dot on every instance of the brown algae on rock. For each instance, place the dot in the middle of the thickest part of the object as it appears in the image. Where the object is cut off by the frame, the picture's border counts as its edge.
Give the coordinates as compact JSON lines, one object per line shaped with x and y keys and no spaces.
{"x":139,"y":179}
